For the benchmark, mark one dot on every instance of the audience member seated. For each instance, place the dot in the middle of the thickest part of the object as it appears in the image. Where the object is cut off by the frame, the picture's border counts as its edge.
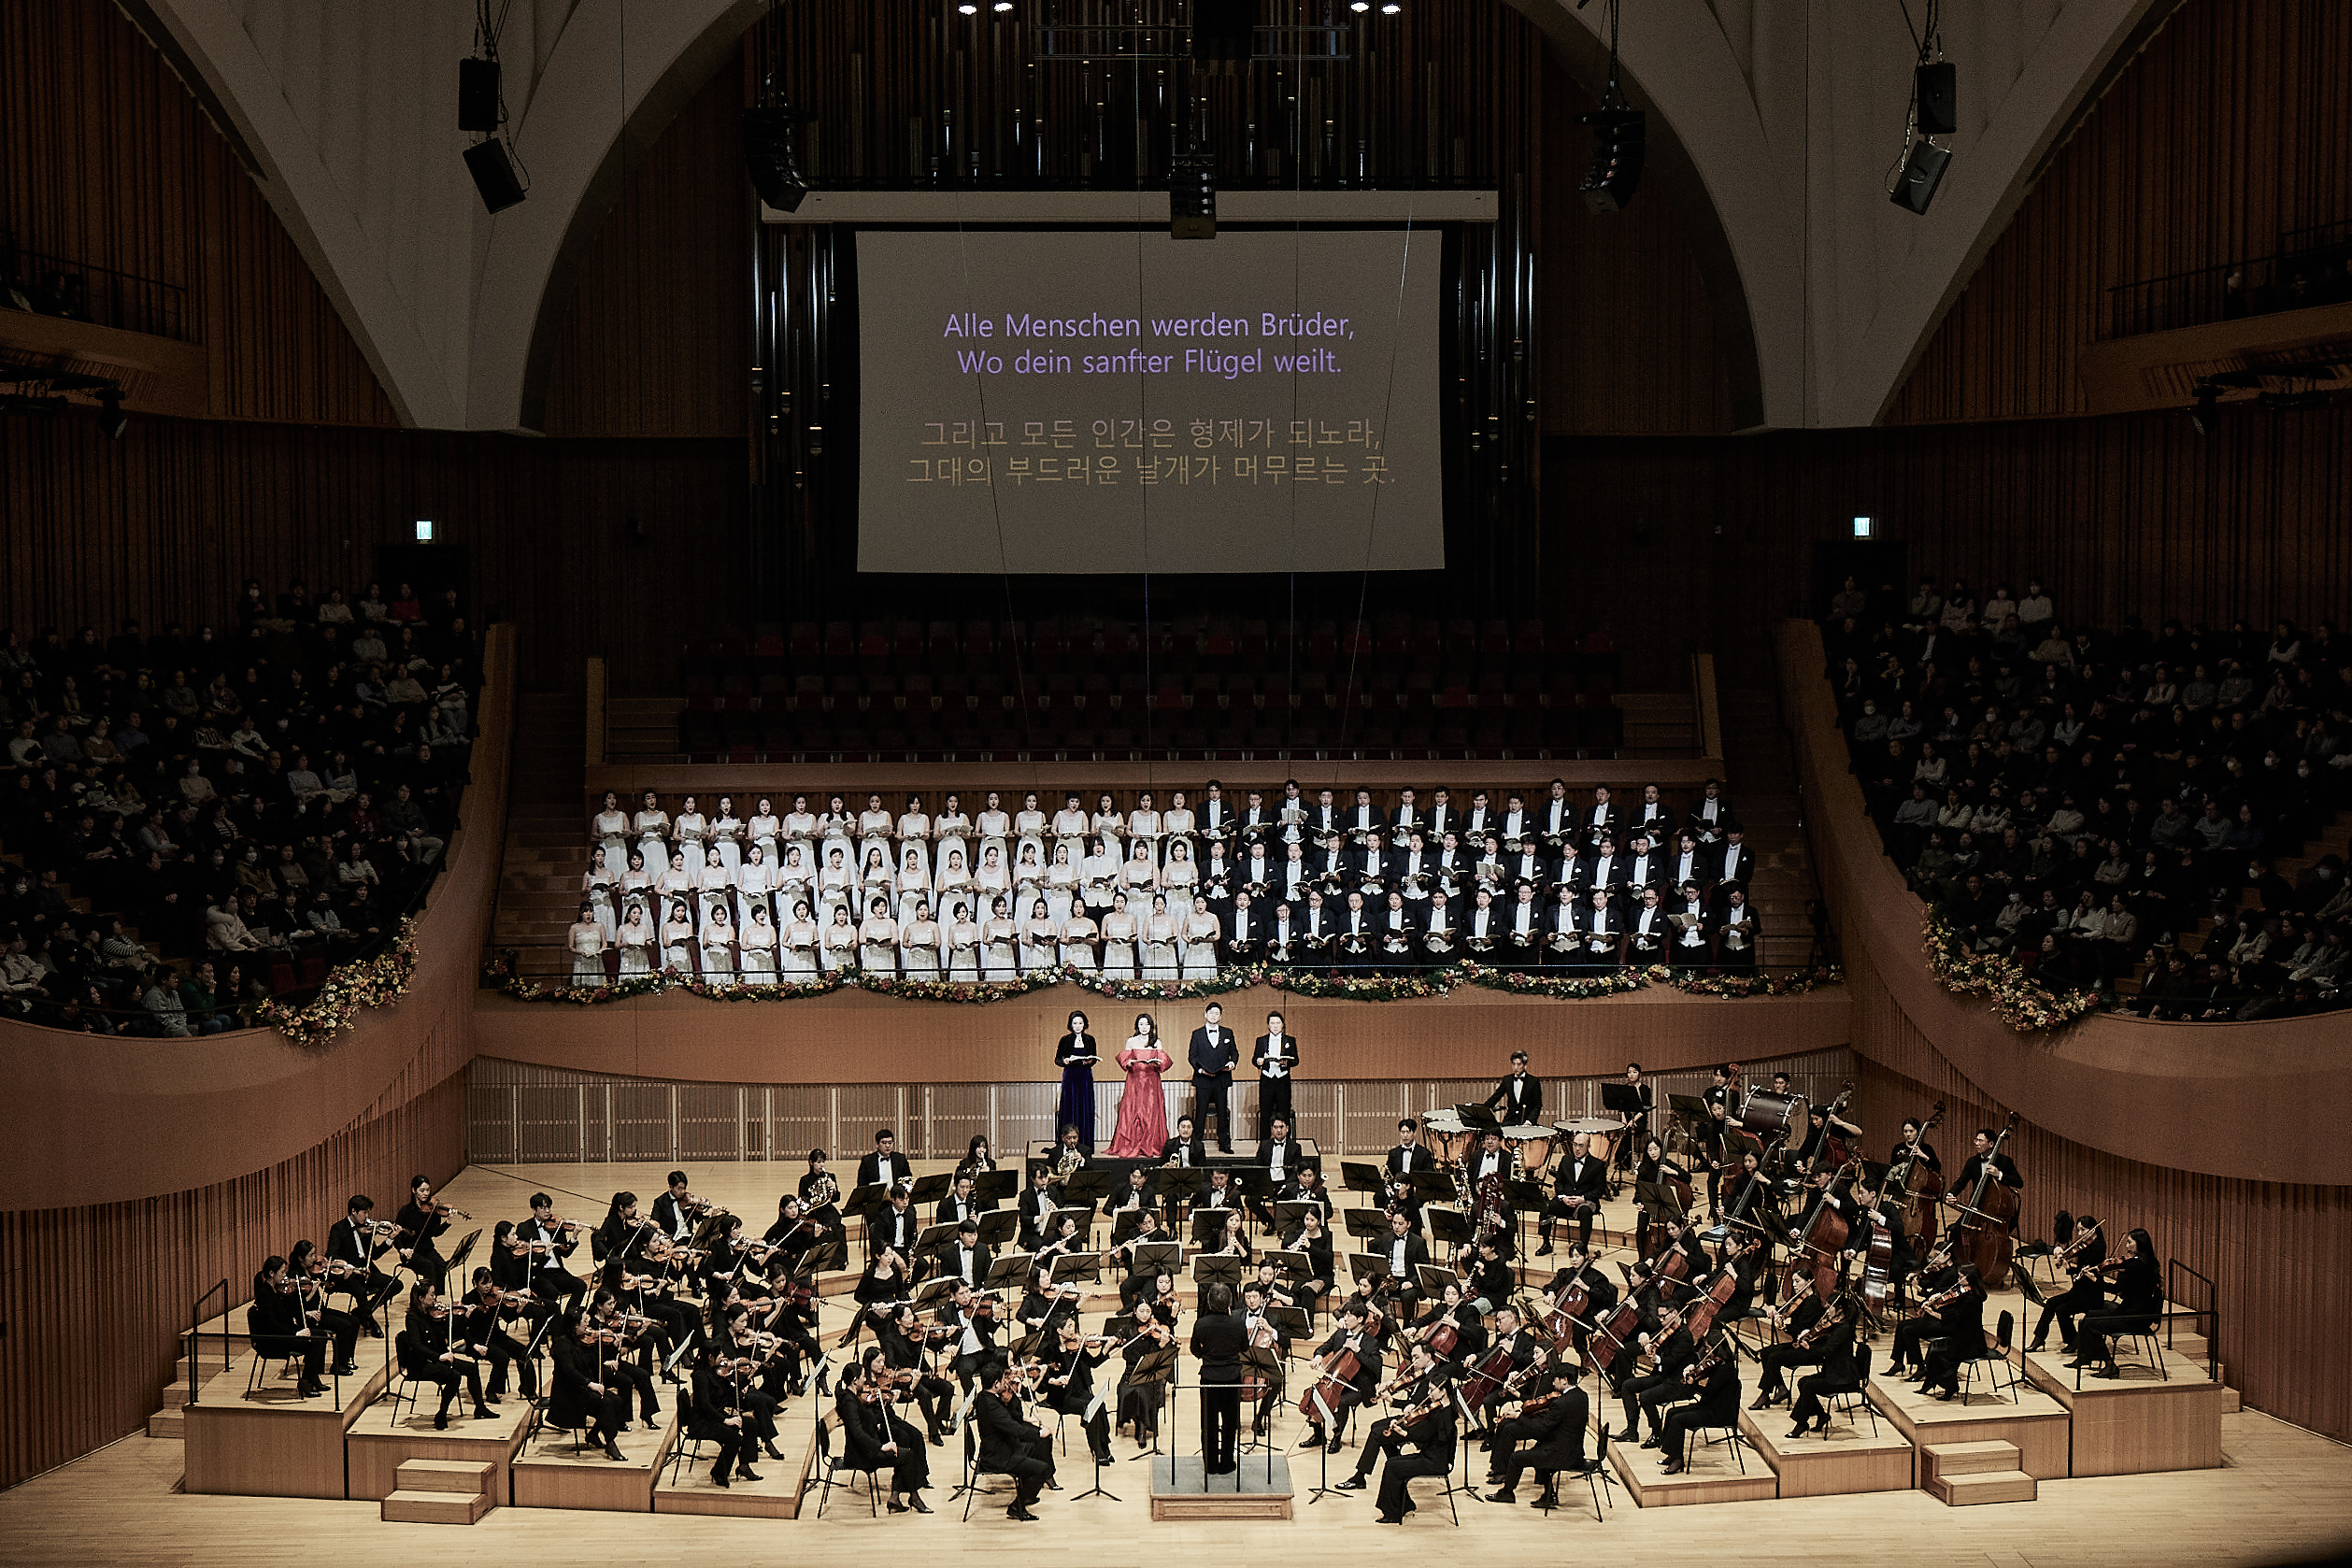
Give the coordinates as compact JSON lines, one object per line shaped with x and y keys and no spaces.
{"x":201,"y":821}
{"x":2110,"y":809}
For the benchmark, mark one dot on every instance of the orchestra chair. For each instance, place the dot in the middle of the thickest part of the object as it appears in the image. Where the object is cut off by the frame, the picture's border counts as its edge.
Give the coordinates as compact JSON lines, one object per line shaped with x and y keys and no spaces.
{"x":1997,"y":1355}
{"x":404,"y":1384}
{"x":1731,"y":1431}
{"x":285,"y":1349}
{"x":1449,"y":1490}
{"x":973,"y":1469}
{"x":2147,"y":1337}
{"x":1847,"y":1402}
{"x":539,"y":1423}
{"x":834,"y":1464}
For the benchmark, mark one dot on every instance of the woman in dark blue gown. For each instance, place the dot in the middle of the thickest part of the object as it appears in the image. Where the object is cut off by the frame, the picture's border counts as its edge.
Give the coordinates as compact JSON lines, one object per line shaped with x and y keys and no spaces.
{"x":1076,"y":1057}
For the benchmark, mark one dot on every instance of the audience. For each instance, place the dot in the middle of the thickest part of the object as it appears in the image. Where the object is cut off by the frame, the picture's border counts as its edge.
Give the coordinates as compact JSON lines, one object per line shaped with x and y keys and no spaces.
{"x":2105,"y":806}
{"x":203,"y":821}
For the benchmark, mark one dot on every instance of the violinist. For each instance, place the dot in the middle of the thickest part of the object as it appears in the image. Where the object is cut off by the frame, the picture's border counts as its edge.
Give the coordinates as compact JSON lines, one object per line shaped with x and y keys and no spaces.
{"x":1670,"y":1346}
{"x":876,"y":1439}
{"x":759,"y":1371}
{"x":1798,"y":1316}
{"x":2139,"y":1290}
{"x":1139,"y":1403}
{"x":584,"y":1398}
{"x":355,"y":1243}
{"x":2084,"y":1251}
{"x":1583,"y":1181}
{"x":278,"y":1325}
{"x":1038,"y":1203}
{"x":1960,"y":1334}
{"x":1551,"y":1427}
{"x":1840,"y":1374}
{"x":1510,"y":1340}
{"x":677,"y":1209}
{"x":308,"y":1267}
{"x":1219,"y":1339}
{"x":629,"y":1336}
{"x":1362,"y":1332}
{"x":550,"y":1241}
{"x":420,"y":1221}
{"x":716,"y":1416}
{"x":1045,"y":1304}
{"x":796,"y":1234}
{"x":1712,"y":1390}
{"x":973,"y":1316}
{"x":489,"y":1310}
{"x":1427,"y":1426}
{"x":903,"y":1339}
{"x":432,"y":1356}
{"x":1010,"y":1443}
{"x":733,"y":1263}
{"x":820,"y":1193}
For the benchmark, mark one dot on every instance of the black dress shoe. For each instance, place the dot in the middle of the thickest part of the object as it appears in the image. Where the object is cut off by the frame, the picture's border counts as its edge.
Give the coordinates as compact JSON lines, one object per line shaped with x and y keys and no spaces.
{"x":347,"y":1369}
{"x":1545,"y":1250}
{"x":1670,"y":1467}
{"x":915,"y":1501}
{"x":896,"y":1506}
{"x":773,"y":1451}
{"x":1353,"y":1483}
{"x":1763,"y":1401}
{"x":492,"y":1400}
{"x":718,"y":1477}
{"x":483,"y":1412}
{"x":1547,"y":1500}
{"x":1796,"y":1433}
{"x":1649,"y":1442}
{"x":441,"y":1420}
{"x":745,"y":1472}
{"x":1018,"y":1512}
{"x":1503,"y":1496}
{"x":1388,"y":1518}
{"x":2108,"y":1371}
{"x":1334,"y":1444}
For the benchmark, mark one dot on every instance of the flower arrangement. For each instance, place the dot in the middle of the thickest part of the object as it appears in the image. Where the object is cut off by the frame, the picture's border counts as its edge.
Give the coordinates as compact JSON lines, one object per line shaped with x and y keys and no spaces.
{"x":2018,"y":999}
{"x":371,"y":982}
{"x":1332,"y":984}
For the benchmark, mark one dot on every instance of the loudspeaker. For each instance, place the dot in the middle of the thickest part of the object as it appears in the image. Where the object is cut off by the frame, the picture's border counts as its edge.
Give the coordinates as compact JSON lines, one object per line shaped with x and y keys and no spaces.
{"x":1192,"y":197}
{"x":493,"y":176}
{"x":1921,"y":175}
{"x":478,"y":96}
{"x":767,"y":149}
{"x":1617,"y":158}
{"x":1939,"y":98}
{"x":1223,"y":29}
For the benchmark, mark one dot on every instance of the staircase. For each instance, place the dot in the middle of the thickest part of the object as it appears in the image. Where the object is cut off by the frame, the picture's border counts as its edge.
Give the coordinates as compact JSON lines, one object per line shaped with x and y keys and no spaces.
{"x":1760,"y":769}
{"x":440,"y":1491}
{"x":546,"y":827}
{"x":1960,"y":1474}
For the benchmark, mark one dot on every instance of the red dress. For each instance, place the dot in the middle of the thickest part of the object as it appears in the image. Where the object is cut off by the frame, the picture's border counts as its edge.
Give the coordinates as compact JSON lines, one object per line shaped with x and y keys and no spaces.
{"x":1142,"y":1131}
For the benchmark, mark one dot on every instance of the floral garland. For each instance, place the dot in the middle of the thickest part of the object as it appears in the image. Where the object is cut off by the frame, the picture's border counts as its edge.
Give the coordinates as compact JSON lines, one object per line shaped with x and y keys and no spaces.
{"x":2019,"y":1000}
{"x":1323,"y":984}
{"x":371,"y":982}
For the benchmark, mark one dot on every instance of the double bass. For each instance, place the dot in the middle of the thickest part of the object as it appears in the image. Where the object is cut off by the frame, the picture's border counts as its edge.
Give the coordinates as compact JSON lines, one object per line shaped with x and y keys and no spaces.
{"x":1987,"y":1223}
{"x":1914,"y":1187}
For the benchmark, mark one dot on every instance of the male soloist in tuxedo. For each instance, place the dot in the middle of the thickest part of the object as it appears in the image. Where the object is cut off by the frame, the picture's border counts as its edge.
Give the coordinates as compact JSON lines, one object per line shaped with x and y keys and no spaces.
{"x":1519,"y":1099}
{"x":1213,"y":1053}
{"x":1275,"y":1055}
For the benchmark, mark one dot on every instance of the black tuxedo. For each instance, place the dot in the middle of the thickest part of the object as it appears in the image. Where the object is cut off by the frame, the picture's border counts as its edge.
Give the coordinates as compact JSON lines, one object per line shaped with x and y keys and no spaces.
{"x":890,"y":1226}
{"x":1735,"y":866}
{"x":666,"y":1213}
{"x":1587,"y":1180}
{"x":1517,"y":1100}
{"x":1011,"y":1445}
{"x":870,"y":1169}
{"x":953,"y":1260}
{"x":1213,"y":1053}
{"x":1217,"y":1342}
{"x":370,"y":1287}
{"x":1194,"y":1155}
{"x":1276,"y":1060}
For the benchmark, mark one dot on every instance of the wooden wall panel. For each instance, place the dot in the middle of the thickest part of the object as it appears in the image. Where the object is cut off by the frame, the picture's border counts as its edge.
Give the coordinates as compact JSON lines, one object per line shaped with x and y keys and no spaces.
{"x":166,"y":522}
{"x":106,"y":159}
{"x":2228,"y":130}
{"x":95,"y":1297}
{"x":656,"y":339}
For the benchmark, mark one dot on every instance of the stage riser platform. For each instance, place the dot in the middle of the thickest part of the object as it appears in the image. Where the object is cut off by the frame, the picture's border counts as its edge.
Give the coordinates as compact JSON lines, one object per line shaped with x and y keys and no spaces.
{"x":275,"y":1446}
{"x":2137,"y":1423}
{"x":547,"y":1475}
{"x":1849,"y":1459}
{"x":375,"y":1450}
{"x":2038,"y":1427}
{"x":1714,"y":1474}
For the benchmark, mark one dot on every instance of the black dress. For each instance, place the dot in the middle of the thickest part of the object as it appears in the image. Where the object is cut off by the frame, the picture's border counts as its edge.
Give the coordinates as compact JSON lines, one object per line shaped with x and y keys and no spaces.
{"x":1076,"y":1107}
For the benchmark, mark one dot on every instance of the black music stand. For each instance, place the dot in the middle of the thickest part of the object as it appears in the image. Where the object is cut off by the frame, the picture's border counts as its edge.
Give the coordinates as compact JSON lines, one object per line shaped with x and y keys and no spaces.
{"x":1207,"y":1271}
{"x":866,"y":1199}
{"x":1265,"y":1362}
{"x":1292,"y":1213}
{"x":998,"y":1226}
{"x":1012,"y":1269}
{"x":1432,"y":1187}
{"x":1451,"y":1226}
{"x":1153,"y":1255}
{"x":1069,"y":1266}
{"x":1096,"y":1489}
{"x":1365,"y":1224}
{"x":1208,"y":1224}
{"x":455,"y":1268}
{"x":1481,"y":1118}
{"x":994,"y":1187}
{"x":1128,"y":1221}
{"x":1357,"y":1177}
{"x":1156,"y":1368}
{"x":1433,"y":1279}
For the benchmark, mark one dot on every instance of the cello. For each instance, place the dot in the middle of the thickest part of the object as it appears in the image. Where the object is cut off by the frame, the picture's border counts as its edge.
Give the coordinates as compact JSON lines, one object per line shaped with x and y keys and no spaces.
{"x":1331,"y":1381}
{"x":1987,"y":1225}
{"x":1823,"y":1238}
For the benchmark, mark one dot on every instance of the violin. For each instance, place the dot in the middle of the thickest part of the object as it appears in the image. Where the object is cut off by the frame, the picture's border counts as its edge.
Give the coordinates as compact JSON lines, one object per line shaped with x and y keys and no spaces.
{"x":1831,"y":1316}
{"x":2084,"y":1236}
{"x":445,"y":1210}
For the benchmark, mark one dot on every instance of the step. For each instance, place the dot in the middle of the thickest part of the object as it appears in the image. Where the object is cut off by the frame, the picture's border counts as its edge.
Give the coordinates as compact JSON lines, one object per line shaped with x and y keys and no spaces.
{"x":434,"y":1507}
{"x":1980,"y":1486}
{"x":465,"y":1476}
{"x":1966,"y":1459}
{"x":175,"y":1395}
{"x":168,"y":1423}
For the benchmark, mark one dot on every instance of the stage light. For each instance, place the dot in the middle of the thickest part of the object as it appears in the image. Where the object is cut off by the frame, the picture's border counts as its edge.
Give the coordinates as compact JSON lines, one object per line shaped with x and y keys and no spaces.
{"x":1360,"y":7}
{"x":969,"y":9}
{"x":1004,"y":5}
{"x":424,"y":531}
{"x":1391,"y":8}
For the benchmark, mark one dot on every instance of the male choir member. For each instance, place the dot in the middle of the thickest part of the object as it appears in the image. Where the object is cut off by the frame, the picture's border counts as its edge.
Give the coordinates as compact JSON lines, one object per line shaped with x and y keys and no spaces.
{"x":1735,"y":935}
{"x":1734,"y":866}
{"x":1213,"y":1051}
{"x":1275,"y":1056}
{"x":1553,"y":1434}
{"x":1647,"y":935}
{"x":1582,"y":1182}
{"x":1604,"y":935}
{"x":1011,"y":1444}
{"x":1693,"y":943}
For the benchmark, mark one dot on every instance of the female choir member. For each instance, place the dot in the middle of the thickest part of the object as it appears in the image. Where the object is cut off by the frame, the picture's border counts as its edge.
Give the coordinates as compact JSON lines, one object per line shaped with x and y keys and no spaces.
{"x":1201,"y":931}
{"x":1142,"y":1131}
{"x":726,"y":834}
{"x":914,"y":824}
{"x":878,"y":939}
{"x":763,"y":832}
{"x":954,"y":878}
{"x":1076,"y":1054}
{"x":690,"y":829}
{"x":612,"y":836}
{"x":1110,"y":826}
{"x":653,"y":827}
{"x":1119,"y":942}
{"x":587,"y":941}
{"x":963,"y":944}
{"x":1144,"y":828}
{"x":1176,"y":825}
{"x":836,"y":888}
{"x":1077,"y":942}
{"x":914,"y":879}
{"x":1069,"y":827}
{"x":838,"y":942}
{"x":797,"y":949}
{"x":1139,"y":875}
{"x":995,"y":827}
{"x":801,"y":826}
{"x":1029,"y":823}
{"x":758,"y":943}
{"x":1061,"y":884}
{"x":836,"y":826}
{"x":679,"y":882}
{"x":755,"y":879}
{"x":999,"y":937}
{"x":636,"y":941}
{"x":678,"y":939}
{"x":991,"y":878}
{"x":1180,"y":876}
{"x":1040,"y":939}
{"x":1161,"y":932}
{"x":953,"y":830}
{"x":717,"y":892}
{"x":874,"y":876}
{"x":874,"y":827}
{"x":919,"y":944}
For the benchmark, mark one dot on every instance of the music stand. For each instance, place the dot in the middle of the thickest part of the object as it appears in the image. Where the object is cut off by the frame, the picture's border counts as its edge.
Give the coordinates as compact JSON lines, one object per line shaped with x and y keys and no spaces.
{"x":870,"y":1196}
{"x":994,"y":1187}
{"x":1208,"y":1225}
{"x":930,"y":1188}
{"x":1367,"y":1267}
{"x":1082,"y":1216}
{"x":1434,"y":1279}
{"x":1266,"y":1363}
{"x":1367,"y":1224}
{"x":1096,"y":1489}
{"x":1010,"y":1269}
{"x":1153,"y":1255}
{"x":456,"y":1265}
{"x":934,"y":1290}
{"x":1524,"y":1193}
{"x":1155,"y":1368}
{"x":1070,"y":1265}
{"x":1432,"y":1187}
{"x":931,"y":1238}
{"x":1357,"y":1177}
{"x":1128,"y":1222}
{"x":998,"y":1226}
{"x":1450,"y":1226}
{"x":1217,"y":1271}
{"x":1481,"y":1118}
{"x":1693,"y":1106}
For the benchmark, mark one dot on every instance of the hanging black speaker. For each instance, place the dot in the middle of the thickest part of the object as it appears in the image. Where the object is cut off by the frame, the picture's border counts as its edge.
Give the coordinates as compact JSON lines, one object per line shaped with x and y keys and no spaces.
{"x":1939,"y":99}
{"x":493,"y":176}
{"x":1921,"y":174}
{"x":478,"y":96}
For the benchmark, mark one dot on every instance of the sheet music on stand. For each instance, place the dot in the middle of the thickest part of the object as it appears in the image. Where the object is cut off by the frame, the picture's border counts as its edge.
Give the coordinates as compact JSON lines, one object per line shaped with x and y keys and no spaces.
{"x":1069,"y":1265}
{"x":1012,"y":1269}
{"x":934,"y":1290}
{"x":1357,"y":1177}
{"x":1365,"y":1223}
{"x":1294,"y":1213}
{"x":1158,"y":1254}
{"x":864,"y":1199}
{"x":930,"y":1188}
{"x":1212,"y":1270}
{"x":1367,"y":1268}
{"x":1433,"y":1278}
{"x":1293,"y":1265}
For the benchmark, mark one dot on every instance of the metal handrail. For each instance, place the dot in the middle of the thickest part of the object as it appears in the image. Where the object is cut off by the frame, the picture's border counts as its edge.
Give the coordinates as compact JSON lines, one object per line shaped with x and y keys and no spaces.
{"x":125,"y":301}
{"x":195,"y":1333}
{"x":2211,"y":1312}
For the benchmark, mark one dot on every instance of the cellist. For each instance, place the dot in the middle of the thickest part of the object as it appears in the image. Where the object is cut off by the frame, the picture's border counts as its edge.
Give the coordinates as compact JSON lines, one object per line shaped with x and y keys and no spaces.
{"x":1362,"y":1332}
{"x":1417,"y":1382}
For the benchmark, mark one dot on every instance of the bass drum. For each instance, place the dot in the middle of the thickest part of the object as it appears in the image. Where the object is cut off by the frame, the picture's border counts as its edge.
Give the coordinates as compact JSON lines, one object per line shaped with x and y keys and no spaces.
{"x":1767,"y":1116}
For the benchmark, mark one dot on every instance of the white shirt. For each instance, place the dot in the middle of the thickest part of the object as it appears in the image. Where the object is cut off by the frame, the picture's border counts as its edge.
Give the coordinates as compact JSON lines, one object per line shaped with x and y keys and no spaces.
{"x":1277,"y":1153}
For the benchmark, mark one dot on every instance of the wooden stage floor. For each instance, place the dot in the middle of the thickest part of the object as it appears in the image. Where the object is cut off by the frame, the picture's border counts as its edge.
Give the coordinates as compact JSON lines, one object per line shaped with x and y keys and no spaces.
{"x":2280,"y":1494}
